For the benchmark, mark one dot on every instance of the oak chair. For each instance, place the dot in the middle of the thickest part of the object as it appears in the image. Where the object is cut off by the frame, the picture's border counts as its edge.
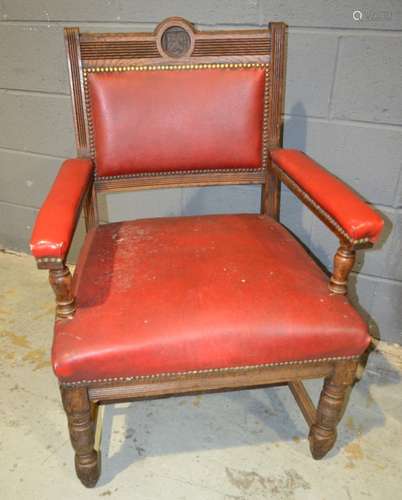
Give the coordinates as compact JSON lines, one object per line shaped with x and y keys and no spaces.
{"x":182,"y":305}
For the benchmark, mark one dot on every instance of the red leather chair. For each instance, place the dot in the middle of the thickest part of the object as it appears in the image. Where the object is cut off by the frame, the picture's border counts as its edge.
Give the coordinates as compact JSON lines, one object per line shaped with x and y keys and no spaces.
{"x":186,"y":304}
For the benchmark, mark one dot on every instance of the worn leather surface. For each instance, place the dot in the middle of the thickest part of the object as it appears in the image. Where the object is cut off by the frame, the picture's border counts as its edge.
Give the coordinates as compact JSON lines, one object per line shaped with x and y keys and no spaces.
{"x":147,"y":121}
{"x":192,"y":293}
{"x":355,"y":216}
{"x":55,"y":223}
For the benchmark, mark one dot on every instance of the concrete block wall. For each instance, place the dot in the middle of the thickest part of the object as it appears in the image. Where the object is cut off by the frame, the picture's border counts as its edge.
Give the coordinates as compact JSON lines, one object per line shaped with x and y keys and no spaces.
{"x":343,"y":107}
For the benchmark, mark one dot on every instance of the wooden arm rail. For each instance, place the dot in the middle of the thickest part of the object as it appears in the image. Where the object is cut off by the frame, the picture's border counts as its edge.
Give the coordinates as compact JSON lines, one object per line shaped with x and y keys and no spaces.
{"x":355,"y":224}
{"x":338,"y":206}
{"x":345,"y":256}
{"x":58,"y":216}
{"x":71,"y":192}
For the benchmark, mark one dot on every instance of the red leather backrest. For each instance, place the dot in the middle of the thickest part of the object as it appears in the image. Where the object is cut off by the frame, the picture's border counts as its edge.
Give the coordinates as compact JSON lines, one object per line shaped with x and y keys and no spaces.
{"x":174,"y":120}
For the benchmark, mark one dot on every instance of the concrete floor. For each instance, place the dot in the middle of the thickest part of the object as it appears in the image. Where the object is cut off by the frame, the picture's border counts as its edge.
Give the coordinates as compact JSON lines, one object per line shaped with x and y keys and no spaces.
{"x":240,"y":445}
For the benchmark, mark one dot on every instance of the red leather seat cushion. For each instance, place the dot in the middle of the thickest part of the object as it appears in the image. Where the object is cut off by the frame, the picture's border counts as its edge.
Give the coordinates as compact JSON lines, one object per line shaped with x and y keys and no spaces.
{"x":193,"y":293}
{"x":147,"y":121}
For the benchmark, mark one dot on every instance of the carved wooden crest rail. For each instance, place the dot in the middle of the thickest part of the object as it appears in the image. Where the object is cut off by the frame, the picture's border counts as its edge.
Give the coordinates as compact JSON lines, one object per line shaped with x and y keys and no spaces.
{"x":175,"y":42}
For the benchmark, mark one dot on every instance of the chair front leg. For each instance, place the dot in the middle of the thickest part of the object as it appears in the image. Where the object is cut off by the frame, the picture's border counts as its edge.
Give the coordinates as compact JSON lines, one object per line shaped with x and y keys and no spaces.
{"x":323,"y":433}
{"x":81,"y":425}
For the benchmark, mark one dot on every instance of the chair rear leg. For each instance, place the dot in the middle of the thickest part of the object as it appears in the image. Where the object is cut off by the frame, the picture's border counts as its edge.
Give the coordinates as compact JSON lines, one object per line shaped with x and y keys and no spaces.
{"x":81,"y":425}
{"x":323,"y":433}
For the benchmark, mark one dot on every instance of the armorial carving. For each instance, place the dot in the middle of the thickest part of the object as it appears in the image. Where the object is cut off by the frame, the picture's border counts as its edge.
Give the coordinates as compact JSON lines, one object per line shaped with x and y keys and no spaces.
{"x":175,"y":41}
{"x":175,"y":38}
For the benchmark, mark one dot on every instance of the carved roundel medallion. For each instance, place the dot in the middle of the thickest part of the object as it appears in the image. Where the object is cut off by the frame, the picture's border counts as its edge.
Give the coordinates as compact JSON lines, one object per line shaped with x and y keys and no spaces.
{"x":175,"y":41}
{"x":175,"y":38}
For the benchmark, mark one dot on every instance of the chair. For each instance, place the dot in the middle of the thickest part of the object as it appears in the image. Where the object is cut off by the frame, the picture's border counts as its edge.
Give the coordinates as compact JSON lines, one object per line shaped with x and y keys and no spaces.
{"x":181,"y":305}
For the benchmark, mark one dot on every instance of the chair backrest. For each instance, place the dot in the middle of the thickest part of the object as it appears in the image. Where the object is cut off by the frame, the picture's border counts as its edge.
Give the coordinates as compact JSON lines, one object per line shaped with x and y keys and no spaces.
{"x":177,"y":106}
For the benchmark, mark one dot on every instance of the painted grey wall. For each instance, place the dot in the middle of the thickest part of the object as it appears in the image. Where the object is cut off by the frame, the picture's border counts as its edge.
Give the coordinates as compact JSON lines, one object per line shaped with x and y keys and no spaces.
{"x":343,"y":106}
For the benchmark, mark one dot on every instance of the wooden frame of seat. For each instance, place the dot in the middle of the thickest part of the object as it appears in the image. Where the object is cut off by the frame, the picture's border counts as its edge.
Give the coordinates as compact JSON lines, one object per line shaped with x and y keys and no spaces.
{"x":192,"y":49}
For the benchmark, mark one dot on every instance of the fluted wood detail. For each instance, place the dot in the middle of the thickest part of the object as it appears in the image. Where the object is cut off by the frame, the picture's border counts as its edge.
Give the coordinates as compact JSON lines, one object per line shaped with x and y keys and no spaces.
{"x":278,"y":40}
{"x":72,"y":43}
{"x":231,"y":46}
{"x":273,"y":121}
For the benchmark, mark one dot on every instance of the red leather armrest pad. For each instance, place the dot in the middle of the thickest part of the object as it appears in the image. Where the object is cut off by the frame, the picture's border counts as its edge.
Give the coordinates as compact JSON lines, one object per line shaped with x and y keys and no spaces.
{"x":352,"y":213}
{"x":54,"y":226}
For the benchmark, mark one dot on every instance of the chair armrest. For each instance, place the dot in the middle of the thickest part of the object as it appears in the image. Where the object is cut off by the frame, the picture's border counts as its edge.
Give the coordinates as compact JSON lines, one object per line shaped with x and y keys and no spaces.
{"x":56,"y":221}
{"x":351,"y":218}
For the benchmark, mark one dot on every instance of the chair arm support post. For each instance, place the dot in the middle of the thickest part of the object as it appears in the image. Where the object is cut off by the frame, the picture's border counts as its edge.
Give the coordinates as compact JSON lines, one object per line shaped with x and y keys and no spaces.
{"x":61,"y":282}
{"x":343,"y":264}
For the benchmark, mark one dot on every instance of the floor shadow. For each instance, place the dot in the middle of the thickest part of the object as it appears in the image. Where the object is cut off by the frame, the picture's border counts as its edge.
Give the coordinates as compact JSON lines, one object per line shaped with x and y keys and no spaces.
{"x":195,"y":423}
{"x":136,"y":431}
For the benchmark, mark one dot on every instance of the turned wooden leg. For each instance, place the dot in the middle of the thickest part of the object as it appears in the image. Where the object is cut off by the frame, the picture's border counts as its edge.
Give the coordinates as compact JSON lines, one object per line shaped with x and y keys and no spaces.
{"x":82,"y":434}
{"x":330,"y":408}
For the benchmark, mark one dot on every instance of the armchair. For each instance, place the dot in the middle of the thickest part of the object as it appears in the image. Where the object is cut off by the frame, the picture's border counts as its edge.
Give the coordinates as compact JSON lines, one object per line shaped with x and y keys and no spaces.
{"x":180,"y":305}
